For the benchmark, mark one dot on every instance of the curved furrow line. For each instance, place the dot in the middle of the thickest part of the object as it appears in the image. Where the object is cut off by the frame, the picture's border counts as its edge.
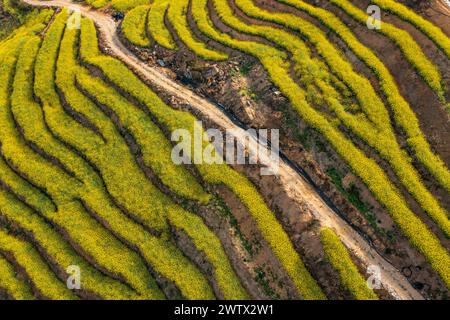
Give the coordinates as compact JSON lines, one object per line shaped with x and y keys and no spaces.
{"x":410,"y":49}
{"x":44,"y":85}
{"x":16,"y":288}
{"x":128,"y":5}
{"x":381,"y":137}
{"x":29,"y":193}
{"x":192,"y":191}
{"x":357,"y":123}
{"x":156,"y":26}
{"x":215,"y":174}
{"x":275,"y":62}
{"x":176,"y":15}
{"x":151,"y":137}
{"x":222,"y":268}
{"x":207,"y":242}
{"x":107,"y":28}
{"x":98,"y":3}
{"x":37,"y":270}
{"x":22,"y":273}
{"x":58,"y":271}
{"x":432,"y":205}
{"x":70,"y":215}
{"x":134,"y":26}
{"x":227,"y":281}
{"x":160,"y":255}
{"x":366,"y":168}
{"x":27,"y":114}
{"x":147,"y":250}
{"x":127,"y":185}
{"x":142,"y":143}
{"x":49,"y":238}
{"x":429,"y":29}
{"x":35,"y":24}
{"x":47,"y":142}
{"x":153,"y":248}
{"x":340,"y":259}
{"x":313,"y":74}
{"x":151,"y":141}
{"x":86,"y":233}
{"x":403,"y":114}
{"x":320,"y":85}
{"x":330,"y":94}
{"x":91,"y":251}
{"x":90,"y":240}
{"x":35,"y":197}
{"x":307,"y":68}
{"x":122,"y":253}
{"x":8,"y":125}
{"x":95,"y":199}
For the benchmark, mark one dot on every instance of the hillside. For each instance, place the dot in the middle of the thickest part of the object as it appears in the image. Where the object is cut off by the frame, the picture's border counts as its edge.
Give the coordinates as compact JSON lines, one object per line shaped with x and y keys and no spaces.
{"x":92,"y":95}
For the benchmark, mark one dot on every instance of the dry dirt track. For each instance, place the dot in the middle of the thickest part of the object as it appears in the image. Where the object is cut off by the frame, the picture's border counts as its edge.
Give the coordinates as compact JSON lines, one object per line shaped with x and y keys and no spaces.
{"x":444,"y":5}
{"x":293,"y":183}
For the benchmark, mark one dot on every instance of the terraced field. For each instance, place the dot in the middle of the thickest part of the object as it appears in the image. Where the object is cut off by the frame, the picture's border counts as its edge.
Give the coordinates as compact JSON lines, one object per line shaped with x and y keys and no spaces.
{"x":87,"y":179}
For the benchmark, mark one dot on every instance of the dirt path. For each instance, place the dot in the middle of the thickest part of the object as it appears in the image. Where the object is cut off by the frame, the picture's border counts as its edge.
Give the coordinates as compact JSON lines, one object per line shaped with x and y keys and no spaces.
{"x":294,"y":184}
{"x":445,"y":6}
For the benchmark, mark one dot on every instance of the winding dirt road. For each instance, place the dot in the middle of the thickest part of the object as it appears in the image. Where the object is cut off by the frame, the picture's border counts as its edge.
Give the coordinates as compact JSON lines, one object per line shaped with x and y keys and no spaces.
{"x":294,"y":184}
{"x":445,"y":6}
